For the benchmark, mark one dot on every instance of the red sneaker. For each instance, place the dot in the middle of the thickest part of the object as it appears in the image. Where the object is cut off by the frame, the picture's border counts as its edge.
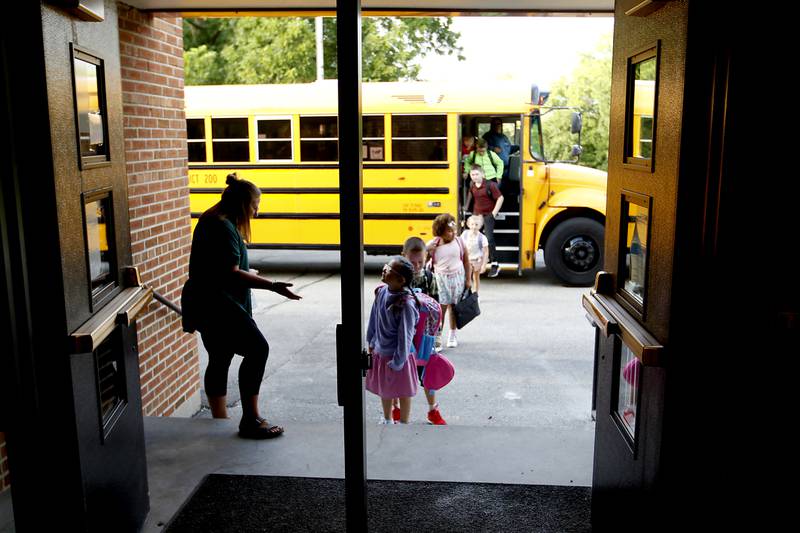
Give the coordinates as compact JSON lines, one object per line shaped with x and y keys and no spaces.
{"x":396,"y":414}
{"x":435,"y":418}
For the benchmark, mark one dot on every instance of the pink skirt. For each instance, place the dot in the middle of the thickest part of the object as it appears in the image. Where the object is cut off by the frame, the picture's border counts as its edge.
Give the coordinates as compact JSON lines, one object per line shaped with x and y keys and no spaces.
{"x":388,"y":383}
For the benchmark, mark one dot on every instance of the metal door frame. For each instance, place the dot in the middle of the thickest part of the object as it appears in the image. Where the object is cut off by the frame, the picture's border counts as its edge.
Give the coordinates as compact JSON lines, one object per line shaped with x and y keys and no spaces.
{"x":350,"y":334}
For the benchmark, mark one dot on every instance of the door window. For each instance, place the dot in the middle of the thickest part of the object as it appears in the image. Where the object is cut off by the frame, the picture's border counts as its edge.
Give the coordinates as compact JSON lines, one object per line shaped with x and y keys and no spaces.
{"x":100,"y":245}
{"x":90,"y":109}
{"x":537,"y":152}
{"x":641,"y":123}
{"x":635,"y":237}
{"x":628,"y":391}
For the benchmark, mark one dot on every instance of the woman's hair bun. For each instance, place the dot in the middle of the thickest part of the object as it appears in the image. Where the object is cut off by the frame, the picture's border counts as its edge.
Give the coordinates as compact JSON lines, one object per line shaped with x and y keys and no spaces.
{"x":231,"y":179}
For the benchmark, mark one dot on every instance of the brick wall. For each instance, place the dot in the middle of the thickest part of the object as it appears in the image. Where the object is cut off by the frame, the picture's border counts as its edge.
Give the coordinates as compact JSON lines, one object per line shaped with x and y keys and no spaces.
{"x":151,"y":55}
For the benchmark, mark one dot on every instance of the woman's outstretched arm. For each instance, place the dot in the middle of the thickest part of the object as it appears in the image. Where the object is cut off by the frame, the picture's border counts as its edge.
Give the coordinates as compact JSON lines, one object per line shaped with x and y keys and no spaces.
{"x":254,"y":281}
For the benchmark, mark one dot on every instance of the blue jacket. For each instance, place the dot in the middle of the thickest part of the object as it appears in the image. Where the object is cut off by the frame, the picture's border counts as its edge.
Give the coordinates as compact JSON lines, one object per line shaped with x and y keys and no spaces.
{"x":499,"y":140}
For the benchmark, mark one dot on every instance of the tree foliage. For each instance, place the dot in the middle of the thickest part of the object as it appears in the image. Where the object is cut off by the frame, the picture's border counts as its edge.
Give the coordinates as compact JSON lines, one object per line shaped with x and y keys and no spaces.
{"x":283,"y":50}
{"x":589,"y":89}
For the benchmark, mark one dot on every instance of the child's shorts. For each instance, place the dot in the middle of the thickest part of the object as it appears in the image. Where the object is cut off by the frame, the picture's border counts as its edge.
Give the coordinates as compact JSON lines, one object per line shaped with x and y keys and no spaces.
{"x":451,"y":287}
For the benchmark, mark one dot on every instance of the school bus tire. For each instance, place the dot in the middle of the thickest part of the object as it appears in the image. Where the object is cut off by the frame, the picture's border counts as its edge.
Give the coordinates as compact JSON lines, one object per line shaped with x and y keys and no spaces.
{"x":574,"y":251}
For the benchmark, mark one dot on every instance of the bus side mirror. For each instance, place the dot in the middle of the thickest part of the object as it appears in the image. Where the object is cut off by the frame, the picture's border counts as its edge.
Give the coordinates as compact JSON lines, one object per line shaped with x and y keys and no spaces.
{"x":577,"y":123}
{"x":577,"y":150}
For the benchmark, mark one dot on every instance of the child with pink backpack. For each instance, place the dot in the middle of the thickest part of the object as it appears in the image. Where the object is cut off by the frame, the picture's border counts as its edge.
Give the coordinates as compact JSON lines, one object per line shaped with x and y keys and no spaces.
{"x":390,"y":334}
{"x":428,"y":325}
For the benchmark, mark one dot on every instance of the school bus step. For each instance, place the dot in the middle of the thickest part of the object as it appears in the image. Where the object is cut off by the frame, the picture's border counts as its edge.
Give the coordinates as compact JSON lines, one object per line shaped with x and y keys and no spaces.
{"x":506,"y":221}
{"x":506,"y":237}
{"x":507,"y":255}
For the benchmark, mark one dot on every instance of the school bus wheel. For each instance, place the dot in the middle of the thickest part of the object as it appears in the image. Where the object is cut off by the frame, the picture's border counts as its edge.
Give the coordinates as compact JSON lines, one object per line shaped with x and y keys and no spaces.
{"x":574,"y":251}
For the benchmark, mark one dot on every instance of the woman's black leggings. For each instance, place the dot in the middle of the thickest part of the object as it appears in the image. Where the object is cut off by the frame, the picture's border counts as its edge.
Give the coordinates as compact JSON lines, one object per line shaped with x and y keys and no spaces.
{"x":223,"y":341}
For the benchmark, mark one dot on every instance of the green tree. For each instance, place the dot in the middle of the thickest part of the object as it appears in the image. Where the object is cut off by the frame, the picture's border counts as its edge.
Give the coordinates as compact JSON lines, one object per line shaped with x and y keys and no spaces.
{"x":282,"y":50}
{"x":589,"y":89}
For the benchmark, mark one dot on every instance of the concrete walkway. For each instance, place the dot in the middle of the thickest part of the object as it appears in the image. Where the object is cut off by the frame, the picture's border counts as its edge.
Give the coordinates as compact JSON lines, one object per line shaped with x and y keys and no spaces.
{"x":519,"y":407}
{"x":180,"y":452}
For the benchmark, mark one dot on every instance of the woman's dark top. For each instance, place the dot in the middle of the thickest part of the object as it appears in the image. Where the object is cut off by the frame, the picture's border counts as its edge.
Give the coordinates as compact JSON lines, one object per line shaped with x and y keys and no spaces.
{"x":213,"y":295}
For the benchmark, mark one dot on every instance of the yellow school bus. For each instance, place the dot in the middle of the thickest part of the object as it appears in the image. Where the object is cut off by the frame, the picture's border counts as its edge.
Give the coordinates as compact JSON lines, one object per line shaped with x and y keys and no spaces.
{"x":642,"y":124}
{"x":284,"y":138}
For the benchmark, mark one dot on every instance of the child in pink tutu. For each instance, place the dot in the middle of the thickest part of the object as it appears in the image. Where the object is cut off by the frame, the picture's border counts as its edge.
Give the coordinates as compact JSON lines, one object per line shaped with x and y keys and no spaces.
{"x":392,"y":324}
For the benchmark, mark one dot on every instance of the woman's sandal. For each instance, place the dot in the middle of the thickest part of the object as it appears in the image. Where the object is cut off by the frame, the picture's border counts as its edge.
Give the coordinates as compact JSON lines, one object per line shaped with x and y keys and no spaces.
{"x":259,"y":429}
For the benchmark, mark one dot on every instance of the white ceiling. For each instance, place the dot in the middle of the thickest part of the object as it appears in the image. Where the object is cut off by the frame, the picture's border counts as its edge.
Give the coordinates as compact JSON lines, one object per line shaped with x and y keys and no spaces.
{"x":584,"y":7}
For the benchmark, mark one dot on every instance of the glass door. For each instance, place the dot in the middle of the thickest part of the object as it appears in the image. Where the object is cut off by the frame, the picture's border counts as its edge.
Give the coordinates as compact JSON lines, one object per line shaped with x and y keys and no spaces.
{"x":351,"y":358}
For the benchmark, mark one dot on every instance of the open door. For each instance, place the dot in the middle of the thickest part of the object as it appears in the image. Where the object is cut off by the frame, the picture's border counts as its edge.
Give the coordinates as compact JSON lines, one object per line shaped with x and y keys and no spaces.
{"x":72,"y":404}
{"x":631,"y":301}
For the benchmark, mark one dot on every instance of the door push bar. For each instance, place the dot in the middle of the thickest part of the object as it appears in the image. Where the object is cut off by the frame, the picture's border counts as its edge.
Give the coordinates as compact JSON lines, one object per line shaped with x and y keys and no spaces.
{"x":605,"y":313}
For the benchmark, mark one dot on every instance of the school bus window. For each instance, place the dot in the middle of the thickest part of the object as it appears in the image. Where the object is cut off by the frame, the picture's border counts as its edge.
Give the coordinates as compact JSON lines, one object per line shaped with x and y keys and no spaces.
{"x":274,"y":139}
{"x":196,"y":139}
{"x":536,"y":138}
{"x":230,"y":139}
{"x":319,"y":139}
{"x":419,"y":137}
{"x":373,"y":135}
{"x":646,"y":137}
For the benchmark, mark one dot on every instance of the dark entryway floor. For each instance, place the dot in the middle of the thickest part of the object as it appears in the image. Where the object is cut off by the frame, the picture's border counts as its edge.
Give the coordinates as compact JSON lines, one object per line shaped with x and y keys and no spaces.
{"x":181,"y":452}
{"x":226,"y":503}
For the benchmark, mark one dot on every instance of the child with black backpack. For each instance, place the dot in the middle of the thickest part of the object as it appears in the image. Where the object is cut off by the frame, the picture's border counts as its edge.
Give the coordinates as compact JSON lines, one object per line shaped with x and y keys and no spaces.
{"x":451,"y":268}
{"x":488,"y":200}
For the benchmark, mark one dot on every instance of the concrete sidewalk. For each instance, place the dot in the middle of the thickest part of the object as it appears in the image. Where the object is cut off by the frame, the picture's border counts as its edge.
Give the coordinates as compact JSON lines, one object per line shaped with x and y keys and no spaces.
{"x":519,"y":409}
{"x":180,"y":452}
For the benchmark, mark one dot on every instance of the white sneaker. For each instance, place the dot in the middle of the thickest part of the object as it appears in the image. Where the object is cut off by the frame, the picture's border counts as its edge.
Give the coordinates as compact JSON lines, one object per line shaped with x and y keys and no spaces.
{"x":452,"y":342}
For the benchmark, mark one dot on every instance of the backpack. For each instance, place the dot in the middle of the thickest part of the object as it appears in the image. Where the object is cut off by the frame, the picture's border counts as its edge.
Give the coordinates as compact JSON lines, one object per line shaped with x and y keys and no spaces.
{"x":490,"y":154}
{"x":428,"y":324}
{"x":430,"y":320}
{"x":482,"y":241}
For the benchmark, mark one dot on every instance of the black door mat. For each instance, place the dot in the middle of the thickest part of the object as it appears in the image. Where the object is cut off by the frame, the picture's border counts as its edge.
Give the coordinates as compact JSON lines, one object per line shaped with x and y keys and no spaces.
{"x":244,"y":504}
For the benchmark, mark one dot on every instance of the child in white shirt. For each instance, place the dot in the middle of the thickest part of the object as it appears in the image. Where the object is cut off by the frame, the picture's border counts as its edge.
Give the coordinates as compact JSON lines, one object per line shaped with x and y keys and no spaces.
{"x":477,"y":248}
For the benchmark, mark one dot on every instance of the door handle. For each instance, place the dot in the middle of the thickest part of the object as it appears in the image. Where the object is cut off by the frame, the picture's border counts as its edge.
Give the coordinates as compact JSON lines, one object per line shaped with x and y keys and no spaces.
{"x":364,"y":363}
{"x":121,"y":310}
{"x":598,"y":316}
{"x":340,"y":367}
